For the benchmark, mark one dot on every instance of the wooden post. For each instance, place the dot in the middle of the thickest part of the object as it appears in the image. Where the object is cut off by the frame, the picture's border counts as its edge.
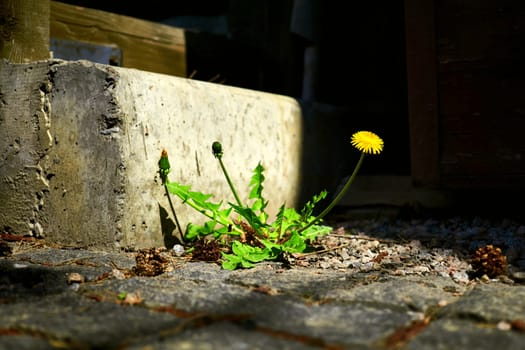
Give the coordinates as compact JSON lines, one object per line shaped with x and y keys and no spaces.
{"x":423,"y":109}
{"x":24,"y":30}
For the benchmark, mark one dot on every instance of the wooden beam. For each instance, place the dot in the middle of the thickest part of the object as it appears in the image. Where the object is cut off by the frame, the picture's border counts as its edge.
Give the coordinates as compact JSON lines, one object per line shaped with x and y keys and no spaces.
{"x":24,"y":30}
{"x":145,"y":45}
{"x":421,"y":54}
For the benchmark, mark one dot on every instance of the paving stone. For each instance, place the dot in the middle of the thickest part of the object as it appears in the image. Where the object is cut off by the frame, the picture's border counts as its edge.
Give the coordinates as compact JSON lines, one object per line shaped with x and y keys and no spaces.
{"x":198,"y":305}
{"x":453,"y":334}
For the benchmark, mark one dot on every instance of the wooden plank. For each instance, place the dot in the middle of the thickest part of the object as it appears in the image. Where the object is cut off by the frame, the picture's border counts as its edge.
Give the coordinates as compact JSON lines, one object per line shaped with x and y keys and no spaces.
{"x":481,"y":89}
{"x":24,"y":30}
{"x":422,"y":92}
{"x":474,"y":33}
{"x":145,"y":45}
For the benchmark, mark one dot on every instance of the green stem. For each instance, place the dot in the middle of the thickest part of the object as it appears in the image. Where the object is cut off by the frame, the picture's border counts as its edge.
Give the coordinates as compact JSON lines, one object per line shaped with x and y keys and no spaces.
{"x":180,"y":236}
{"x":339,"y":195}
{"x":229,"y":182}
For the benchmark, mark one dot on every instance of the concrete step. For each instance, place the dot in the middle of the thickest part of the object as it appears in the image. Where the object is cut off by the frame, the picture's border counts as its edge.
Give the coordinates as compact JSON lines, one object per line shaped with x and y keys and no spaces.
{"x":80,"y":144}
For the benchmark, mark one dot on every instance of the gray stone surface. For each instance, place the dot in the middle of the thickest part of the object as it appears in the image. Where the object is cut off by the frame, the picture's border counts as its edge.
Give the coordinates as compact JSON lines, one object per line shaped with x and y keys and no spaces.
{"x":198,"y":305}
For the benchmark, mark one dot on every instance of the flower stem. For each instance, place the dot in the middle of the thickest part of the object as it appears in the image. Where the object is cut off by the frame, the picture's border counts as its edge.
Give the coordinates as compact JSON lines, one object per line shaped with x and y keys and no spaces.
{"x":216,"y":148}
{"x":180,"y":236}
{"x":229,"y":182}
{"x":339,"y":195}
{"x":164,"y":169}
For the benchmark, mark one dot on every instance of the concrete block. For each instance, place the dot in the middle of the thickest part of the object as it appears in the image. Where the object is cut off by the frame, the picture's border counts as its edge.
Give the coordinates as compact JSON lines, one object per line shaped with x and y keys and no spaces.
{"x":80,"y":144}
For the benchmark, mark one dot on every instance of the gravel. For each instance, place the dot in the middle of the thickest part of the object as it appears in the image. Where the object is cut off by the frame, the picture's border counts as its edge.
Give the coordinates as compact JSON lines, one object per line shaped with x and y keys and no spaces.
{"x":423,"y":246}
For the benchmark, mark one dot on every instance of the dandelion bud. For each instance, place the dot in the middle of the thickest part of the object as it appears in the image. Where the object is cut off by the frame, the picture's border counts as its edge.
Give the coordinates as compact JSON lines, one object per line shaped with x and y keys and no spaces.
{"x":164,"y":165}
{"x":217,"y":149}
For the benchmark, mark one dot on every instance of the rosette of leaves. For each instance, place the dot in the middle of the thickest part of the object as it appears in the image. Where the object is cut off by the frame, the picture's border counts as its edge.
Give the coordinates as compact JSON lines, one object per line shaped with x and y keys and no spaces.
{"x":245,"y":228}
{"x":252,"y":239}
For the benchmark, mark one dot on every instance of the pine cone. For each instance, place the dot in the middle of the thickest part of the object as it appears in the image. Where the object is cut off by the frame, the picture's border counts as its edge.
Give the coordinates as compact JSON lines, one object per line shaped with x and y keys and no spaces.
{"x":490,"y":261}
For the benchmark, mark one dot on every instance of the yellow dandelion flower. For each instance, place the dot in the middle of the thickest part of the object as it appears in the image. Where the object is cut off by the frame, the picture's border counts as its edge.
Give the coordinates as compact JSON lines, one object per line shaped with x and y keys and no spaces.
{"x":367,"y":142}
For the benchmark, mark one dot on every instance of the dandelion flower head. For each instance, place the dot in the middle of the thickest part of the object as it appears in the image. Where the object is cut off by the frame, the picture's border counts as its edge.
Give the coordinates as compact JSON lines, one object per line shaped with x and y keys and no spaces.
{"x":367,"y":142}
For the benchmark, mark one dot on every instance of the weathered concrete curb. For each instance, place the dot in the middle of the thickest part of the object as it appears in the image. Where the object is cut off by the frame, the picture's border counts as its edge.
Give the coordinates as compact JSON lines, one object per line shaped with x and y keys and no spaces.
{"x":80,"y":143}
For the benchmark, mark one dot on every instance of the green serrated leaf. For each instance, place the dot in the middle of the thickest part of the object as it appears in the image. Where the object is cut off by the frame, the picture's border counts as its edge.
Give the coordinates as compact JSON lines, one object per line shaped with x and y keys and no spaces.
{"x":194,"y":231}
{"x":314,"y":231}
{"x":179,"y":190}
{"x":288,"y":220}
{"x":200,"y":202}
{"x":256,"y":188}
{"x":306,"y":212}
{"x":230,"y":261}
{"x":247,"y":252}
{"x":256,"y":182}
{"x":258,"y":206}
{"x":295,"y":244}
{"x":249,"y":216}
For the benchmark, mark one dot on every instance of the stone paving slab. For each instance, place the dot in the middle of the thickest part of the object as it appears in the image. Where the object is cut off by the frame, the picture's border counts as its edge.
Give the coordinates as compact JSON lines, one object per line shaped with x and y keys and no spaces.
{"x":198,"y":305}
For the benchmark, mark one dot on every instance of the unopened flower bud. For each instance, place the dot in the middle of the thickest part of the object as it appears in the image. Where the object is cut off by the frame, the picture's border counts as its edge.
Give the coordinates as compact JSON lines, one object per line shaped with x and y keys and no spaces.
{"x":217,"y":149}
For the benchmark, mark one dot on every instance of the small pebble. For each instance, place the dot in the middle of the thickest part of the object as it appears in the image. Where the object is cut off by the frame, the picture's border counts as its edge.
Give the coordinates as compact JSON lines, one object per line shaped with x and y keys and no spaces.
{"x":178,"y":250}
{"x":518,"y":276}
{"x":75,"y":277}
{"x":503,"y":326}
{"x":460,"y":277}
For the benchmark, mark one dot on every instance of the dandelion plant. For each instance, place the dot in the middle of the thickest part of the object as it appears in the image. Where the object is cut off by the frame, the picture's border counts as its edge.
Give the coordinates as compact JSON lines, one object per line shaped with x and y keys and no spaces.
{"x":243,"y":230}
